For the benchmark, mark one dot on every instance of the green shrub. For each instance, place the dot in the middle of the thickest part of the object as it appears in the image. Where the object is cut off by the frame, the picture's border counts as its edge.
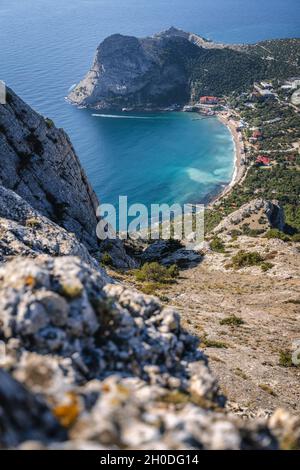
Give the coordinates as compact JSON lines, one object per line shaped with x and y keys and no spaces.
{"x":49,"y":123}
{"x":211,"y":343}
{"x":217,"y":245}
{"x":106,"y":259}
{"x":275,"y":233}
{"x":243,"y":259}
{"x":235,"y":233}
{"x":173,"y":271}
{"x":268,"y":389}
{"x":285,"y":359}
{"x":155,"y":272}
{"x":265,"y":266}
{"x":250,"y":232}
{"x":33,"y":222}
{"x":150,"y":288}
{"x":232,"y":320}
{"x":296,"y":237}
{"x":262,"y":220}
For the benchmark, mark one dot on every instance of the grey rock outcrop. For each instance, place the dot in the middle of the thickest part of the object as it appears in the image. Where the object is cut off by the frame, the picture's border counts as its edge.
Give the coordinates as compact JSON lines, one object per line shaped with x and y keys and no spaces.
{"x":128,"y":71}
{"x":170,"y":68}
{"x":112,"y":366}
{"x":62,"y":306}
{"x":25,"y":232}
{"x":120,"y":259}
{"x":159,"y":249}
{"x":38,"y":162}
{"x":84,"y":363}
{"x":183,"y":258}
{"x":258,"y":214}
{"x":169,"y":252}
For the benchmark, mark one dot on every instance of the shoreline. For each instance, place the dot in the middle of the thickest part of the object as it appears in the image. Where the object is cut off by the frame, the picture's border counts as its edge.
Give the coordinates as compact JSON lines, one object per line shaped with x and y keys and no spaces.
{"x":239,"y":167}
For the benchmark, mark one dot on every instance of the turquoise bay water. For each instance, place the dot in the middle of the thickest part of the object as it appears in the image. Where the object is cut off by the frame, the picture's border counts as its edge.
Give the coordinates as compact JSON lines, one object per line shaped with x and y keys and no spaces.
{"x":46,"y":46}
{"x":157,"y":158}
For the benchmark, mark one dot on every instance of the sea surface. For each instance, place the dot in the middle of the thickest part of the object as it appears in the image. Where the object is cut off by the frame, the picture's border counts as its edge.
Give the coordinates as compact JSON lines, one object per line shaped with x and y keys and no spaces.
{"x":46,"y":46}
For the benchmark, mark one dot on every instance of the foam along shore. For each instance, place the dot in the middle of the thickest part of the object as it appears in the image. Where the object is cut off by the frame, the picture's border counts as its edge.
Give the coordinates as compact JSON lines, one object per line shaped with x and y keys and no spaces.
{"x":239,"y":167}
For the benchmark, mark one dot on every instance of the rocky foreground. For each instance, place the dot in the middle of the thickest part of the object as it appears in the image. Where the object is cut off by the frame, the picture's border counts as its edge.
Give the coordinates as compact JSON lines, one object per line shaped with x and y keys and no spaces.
{"x":93,"y":365}
{"x":87,"y":362}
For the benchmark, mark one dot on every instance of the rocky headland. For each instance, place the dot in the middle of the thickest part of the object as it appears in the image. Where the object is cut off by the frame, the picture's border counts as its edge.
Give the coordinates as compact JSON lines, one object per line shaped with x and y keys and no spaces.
{"x":175,"y":67}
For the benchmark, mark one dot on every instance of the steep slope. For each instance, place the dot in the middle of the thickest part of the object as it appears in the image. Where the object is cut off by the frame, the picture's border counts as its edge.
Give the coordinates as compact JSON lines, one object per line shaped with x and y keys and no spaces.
{"x":247,"y":309}
{"x":25,"y":232}
{"x":38,"y":162}
{"x":175,"y":67}
{"x":249,"y":322}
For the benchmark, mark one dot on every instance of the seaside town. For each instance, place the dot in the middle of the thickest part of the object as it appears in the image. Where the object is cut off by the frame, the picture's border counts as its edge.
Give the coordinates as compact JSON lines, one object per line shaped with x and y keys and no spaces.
{"x":265,"y":125}
{"x":258,"y":117}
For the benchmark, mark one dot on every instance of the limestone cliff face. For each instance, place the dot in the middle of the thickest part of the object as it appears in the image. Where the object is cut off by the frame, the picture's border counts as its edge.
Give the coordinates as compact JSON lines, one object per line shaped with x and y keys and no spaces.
{"x":25,"y":232}
{"x":38,"y":163}
{"x":128,"y":71}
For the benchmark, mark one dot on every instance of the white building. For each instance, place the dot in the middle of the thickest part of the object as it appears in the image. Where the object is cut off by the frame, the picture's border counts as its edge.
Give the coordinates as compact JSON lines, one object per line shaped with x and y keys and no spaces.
{"x":296,"y":84}
{"x":266,"y":85}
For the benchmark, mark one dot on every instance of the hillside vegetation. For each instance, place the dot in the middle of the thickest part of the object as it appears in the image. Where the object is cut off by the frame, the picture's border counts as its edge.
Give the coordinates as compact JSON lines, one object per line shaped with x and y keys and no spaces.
{"x":169,"y":68}
{"x":221,"y":71}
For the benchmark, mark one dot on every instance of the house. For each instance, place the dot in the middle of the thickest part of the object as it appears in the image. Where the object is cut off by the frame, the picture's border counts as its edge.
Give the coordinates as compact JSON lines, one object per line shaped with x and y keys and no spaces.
{"x":291,"y":158}
{"x":255,"y":96}
{"x":262,"y":160}
{"x":262,"y":92}
{"x":257,"y":135}
{"x":209,"y":100}
{"x":296,"y":83}
{"x":242,"y":124}
{"x":266,"y":85}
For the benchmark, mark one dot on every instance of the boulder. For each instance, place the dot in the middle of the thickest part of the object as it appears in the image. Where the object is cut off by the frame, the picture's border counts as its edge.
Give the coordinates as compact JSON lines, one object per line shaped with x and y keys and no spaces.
{"x":25,"y":232}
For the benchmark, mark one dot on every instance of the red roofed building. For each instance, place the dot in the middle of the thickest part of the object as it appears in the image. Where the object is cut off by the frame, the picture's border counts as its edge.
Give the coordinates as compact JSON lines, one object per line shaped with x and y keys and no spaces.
{"x":209,"y":100}
{"x":257,"y":135}
{"x":263,"y":160}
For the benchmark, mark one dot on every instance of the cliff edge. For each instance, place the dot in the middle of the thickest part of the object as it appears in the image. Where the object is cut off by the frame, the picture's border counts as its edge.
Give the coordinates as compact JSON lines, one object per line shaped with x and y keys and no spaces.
{"x":39,"y":163}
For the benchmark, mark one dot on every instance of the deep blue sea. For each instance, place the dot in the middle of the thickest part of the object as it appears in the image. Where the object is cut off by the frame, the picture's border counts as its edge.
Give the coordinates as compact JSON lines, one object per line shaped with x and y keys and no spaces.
{"x":46,"y":46}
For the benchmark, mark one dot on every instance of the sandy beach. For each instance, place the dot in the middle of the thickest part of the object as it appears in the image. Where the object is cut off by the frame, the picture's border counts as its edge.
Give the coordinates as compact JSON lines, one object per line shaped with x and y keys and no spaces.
{"x":239,"y":168}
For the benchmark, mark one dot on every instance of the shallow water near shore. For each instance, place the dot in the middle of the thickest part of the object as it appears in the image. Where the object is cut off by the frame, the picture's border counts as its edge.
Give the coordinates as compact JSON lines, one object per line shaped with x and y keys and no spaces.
{"x":151,"y":158}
